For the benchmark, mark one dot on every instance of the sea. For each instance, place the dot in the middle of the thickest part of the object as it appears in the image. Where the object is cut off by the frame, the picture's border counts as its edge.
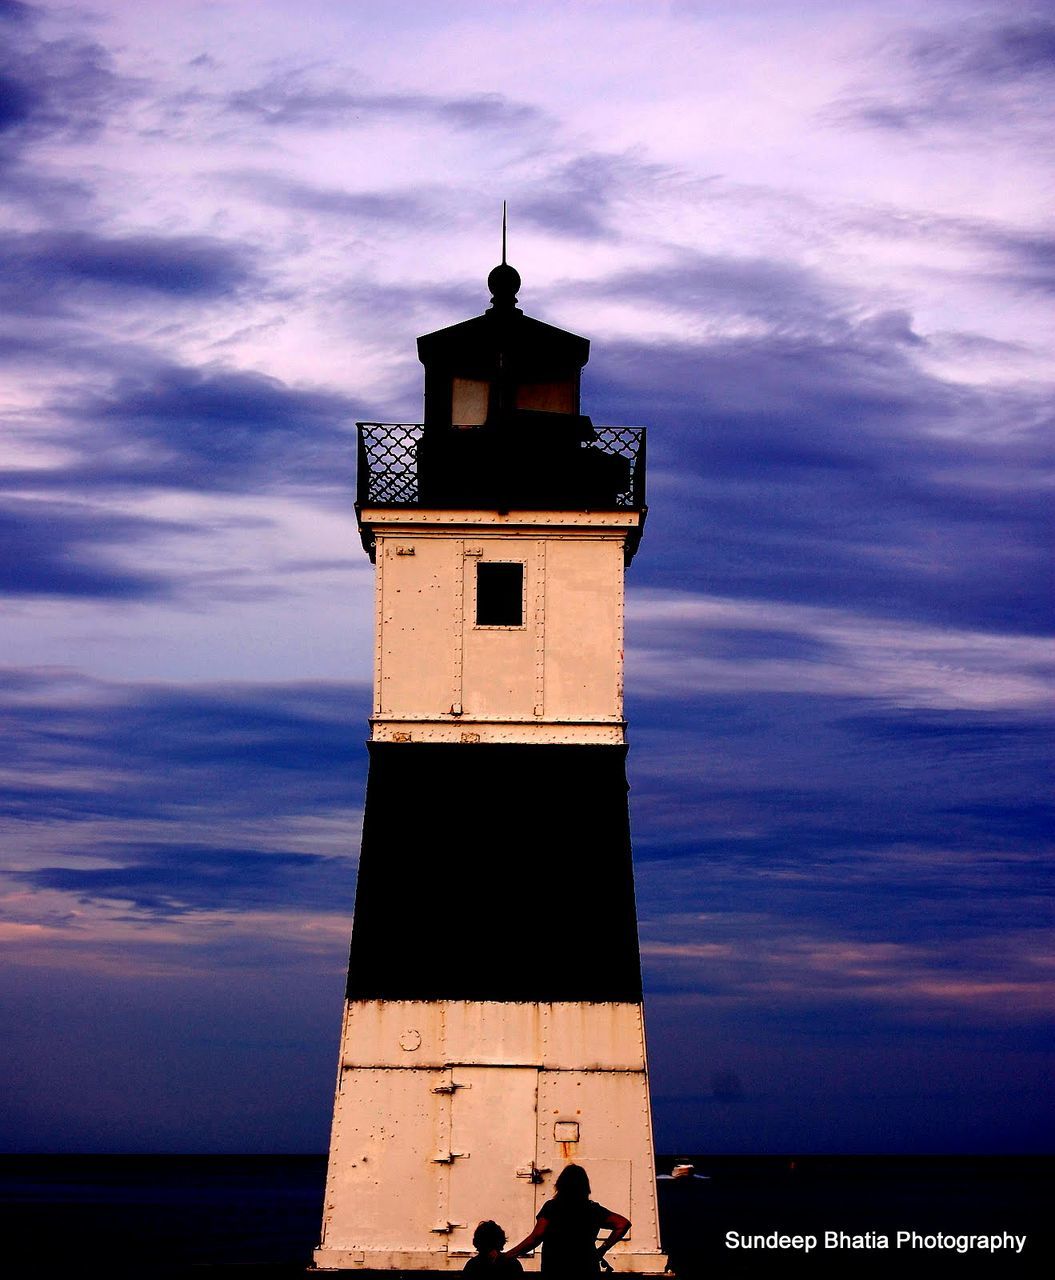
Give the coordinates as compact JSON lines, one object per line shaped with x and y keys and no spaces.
{"x":257,"y":1217}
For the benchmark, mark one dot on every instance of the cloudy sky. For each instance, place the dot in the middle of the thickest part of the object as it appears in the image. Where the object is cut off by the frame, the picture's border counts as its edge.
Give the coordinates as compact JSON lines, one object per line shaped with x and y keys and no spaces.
{"x":808,"y":243}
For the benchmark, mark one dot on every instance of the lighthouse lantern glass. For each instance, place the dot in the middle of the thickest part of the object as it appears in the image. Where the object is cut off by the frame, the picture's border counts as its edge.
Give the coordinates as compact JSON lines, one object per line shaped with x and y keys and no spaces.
{"x":469,"y":400}
{"x":547,"y":397}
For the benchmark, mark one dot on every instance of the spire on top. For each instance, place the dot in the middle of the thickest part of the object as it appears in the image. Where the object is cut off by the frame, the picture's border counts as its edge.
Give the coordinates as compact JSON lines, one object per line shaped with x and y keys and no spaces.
{"x":504,"y":280}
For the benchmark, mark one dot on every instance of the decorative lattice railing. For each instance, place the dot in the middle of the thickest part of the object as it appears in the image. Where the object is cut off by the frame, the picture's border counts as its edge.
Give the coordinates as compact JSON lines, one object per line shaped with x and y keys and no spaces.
{"x":607,"y":470}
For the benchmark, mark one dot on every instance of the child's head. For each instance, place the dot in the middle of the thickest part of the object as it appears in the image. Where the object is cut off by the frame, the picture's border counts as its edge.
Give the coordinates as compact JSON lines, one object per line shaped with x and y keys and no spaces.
{"x":487,"y":1236}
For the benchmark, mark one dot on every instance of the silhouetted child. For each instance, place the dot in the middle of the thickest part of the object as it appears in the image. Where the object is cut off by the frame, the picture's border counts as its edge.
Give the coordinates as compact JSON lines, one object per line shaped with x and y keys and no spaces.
{"x":489,"y":1240}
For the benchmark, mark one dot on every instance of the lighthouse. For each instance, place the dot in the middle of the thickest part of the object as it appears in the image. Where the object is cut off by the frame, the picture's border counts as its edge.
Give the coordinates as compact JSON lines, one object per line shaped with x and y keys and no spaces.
{"x":493,"y":1025}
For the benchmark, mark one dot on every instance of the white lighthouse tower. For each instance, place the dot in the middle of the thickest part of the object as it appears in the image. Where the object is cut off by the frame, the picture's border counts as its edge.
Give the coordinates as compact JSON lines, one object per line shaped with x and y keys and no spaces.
{"x":493,"y":1029}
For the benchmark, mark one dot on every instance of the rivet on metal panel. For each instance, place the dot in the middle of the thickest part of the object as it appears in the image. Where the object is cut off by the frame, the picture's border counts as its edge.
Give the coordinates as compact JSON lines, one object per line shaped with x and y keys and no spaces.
{"x":404,"y":551}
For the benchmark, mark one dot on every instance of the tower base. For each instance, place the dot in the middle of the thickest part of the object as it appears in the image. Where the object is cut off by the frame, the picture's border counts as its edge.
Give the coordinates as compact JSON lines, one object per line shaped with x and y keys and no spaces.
{"x":449,"y":1112}
{"x":333,"y":1261}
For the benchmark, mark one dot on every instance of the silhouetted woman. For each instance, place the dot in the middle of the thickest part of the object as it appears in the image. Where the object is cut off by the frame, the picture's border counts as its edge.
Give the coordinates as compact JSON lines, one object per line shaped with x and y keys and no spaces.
{"x":567,"y":1227}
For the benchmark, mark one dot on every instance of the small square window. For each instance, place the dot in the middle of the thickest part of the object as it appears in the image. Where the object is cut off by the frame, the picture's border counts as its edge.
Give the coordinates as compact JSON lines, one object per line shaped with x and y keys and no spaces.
{"x":499,"y":594}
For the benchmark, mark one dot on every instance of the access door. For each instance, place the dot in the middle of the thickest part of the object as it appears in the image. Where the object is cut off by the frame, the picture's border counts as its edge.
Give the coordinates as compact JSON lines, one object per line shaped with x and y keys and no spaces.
{"x":502,"y":660}
{"x":599,"y":1120}
{"x":492,"y":1166}
{"x":389,"y":1127}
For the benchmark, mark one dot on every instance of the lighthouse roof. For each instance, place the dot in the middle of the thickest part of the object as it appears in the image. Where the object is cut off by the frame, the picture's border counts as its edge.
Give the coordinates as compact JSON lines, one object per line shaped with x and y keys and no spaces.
{"x":504,"y":337}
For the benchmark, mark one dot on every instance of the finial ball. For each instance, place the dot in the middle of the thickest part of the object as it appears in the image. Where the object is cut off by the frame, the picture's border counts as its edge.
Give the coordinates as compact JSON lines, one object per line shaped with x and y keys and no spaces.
{"x":504,"y":283}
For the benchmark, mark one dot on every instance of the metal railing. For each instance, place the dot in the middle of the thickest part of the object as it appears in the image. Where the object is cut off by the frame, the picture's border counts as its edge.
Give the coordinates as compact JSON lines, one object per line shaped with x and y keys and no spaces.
{"x":388,"y":463}
{"x":389,"y":456}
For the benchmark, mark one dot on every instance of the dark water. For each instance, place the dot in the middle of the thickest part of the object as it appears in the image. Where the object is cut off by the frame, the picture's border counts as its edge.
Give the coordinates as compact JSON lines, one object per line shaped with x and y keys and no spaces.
{"x":881,"y":1195}
{"x":165,"y":1216}
{"x":257,"y":1217}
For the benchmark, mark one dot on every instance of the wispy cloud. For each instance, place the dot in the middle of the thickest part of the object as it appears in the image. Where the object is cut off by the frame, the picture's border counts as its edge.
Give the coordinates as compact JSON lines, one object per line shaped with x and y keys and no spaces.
{"x":685,"y":644}
{"x":828,"y":469}
{"x":45,"y":271}
{"x":409,"y":208}
{"x":57,"y":548}
{"x":989,"y":74}
{"x":295,"y":99}
{"x":63,"y":87}
{"x":172,"y":879}
{"x":161,"y":426}
{"x":129,"y":805}
{"x":579,"y":198}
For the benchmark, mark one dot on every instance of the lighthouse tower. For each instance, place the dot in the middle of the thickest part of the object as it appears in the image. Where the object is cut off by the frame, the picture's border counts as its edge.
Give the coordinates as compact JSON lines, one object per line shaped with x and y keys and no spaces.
{"x":492,"y":1029}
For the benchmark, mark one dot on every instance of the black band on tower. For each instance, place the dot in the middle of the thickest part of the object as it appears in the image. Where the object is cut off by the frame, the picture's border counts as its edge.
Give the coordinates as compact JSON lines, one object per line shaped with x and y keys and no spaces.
{"x":495,"y":872}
